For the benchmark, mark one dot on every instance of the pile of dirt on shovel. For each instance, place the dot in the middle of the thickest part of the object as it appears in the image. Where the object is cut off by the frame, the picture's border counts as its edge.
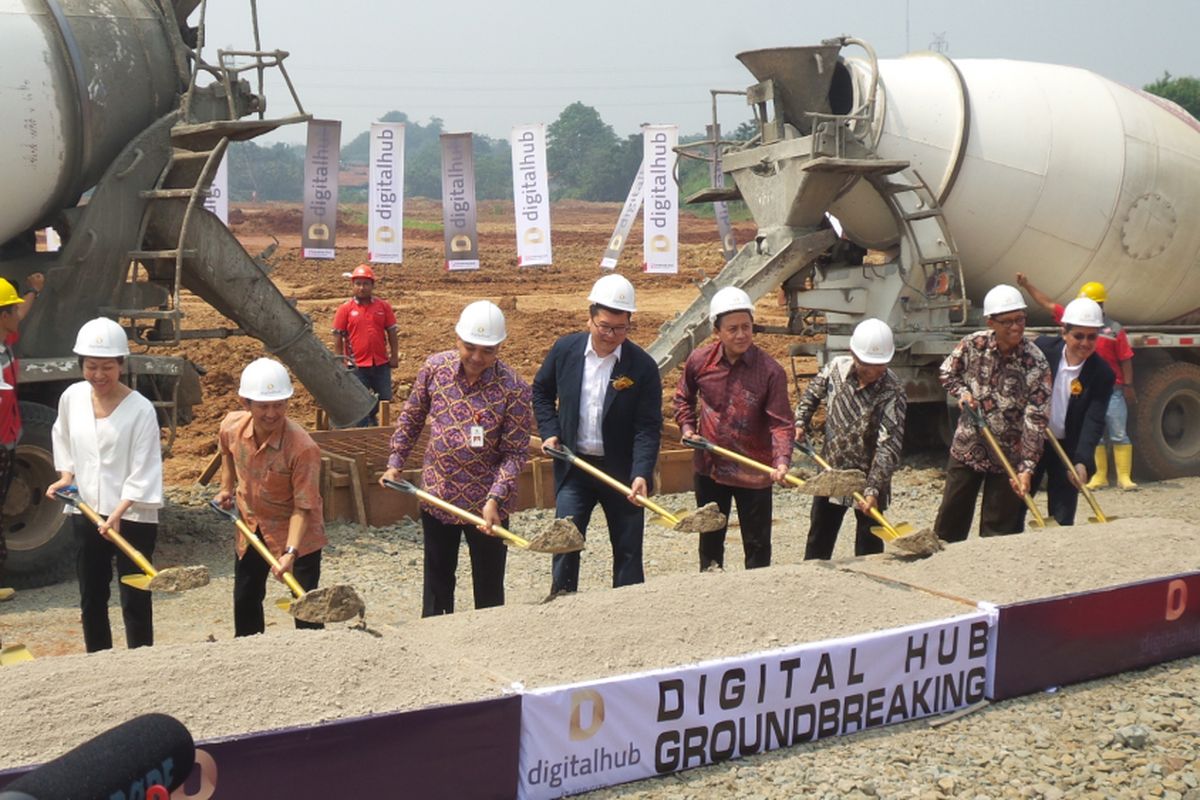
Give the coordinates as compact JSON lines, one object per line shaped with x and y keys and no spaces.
{"x":291,"y":678}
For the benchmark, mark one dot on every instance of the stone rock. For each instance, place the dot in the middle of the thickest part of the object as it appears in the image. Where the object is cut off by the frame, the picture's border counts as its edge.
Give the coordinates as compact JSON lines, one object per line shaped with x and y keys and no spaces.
{"x":1134,"y":736}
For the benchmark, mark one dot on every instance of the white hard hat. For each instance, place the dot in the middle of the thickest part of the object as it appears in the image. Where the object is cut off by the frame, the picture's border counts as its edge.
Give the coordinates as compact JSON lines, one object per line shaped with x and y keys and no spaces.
{"x":1001,"y":299}
{"x":729,"y":299}
{"x":101,"y":338}
{"x":482,"y":323}
{"x":265,"y":380}
{"x":872,"y":342}
{"x":1085,"y":312}
{"x":615,"y":292}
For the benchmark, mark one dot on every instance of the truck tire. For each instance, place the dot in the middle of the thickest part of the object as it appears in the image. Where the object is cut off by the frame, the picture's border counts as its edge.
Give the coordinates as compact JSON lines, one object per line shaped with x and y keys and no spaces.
{"x":1165,"y":422}
{"x":41,"y":549}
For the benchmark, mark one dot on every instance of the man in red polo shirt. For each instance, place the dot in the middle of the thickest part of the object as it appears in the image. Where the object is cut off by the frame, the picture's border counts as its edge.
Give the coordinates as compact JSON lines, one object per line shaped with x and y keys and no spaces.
{"x":11,"y":314}
{"x":364,"y":334}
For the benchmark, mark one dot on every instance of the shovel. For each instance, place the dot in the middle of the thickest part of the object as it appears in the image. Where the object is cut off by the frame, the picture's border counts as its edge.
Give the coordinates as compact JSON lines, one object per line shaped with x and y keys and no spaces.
{"x":884,"y":530}
{"x":336,"y":603}
{"x":986,"y":430}
{"x":561,"y":537}
{"x":1087,"y":493}
{"x":703,"y":520}
{"x":11,"y":654}
{"x":169,"y":579}
{"x":700,"y":443}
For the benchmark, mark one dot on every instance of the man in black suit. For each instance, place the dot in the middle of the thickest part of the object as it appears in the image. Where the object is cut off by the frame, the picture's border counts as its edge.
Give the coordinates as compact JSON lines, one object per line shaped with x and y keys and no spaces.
{"x":601,"y":396}
{"x":1083,"y":383}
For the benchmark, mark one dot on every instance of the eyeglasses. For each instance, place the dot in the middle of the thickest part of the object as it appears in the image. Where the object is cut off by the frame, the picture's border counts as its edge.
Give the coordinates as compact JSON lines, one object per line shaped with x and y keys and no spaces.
{"x":612,"y":330}
{"x":1012,"y":322}
{"x":1081,"y":337}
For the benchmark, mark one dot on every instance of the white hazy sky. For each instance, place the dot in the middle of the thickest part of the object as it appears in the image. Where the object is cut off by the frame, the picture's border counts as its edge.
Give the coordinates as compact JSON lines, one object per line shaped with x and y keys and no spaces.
{"x":485,"y":66}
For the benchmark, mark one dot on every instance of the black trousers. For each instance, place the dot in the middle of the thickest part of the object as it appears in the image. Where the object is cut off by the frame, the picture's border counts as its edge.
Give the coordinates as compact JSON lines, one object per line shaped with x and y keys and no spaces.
{"x":250,"y":573}
{"x":825,"y":520}
{"x":1002,"y":513}
{"x":1061,"y":494}
{"x":754,"y":515}
{"x":576,"y":498}
{"x":94,"y":568}
{"x":6,"y":474}
{"x":489,"y":555}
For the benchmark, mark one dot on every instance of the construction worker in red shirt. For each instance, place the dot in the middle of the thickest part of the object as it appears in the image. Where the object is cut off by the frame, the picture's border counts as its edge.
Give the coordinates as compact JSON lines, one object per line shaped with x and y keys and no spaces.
{"x":364,"y":334}
{"x":12,"y":310}
{"x":1112,"y":346}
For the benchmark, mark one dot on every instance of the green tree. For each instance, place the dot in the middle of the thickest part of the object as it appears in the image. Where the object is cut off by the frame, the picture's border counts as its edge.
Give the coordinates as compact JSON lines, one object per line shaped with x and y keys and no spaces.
{"x":266,"y":173}
{"x":582,"y":156}
{"x":1184,"y":91}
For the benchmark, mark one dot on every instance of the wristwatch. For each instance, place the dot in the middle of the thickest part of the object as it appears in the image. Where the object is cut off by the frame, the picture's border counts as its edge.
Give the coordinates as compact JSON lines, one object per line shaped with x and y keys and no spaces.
{"x":291,"y":551}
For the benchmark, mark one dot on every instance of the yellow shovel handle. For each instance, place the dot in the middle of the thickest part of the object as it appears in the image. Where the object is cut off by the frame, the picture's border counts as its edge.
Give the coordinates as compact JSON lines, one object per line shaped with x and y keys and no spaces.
{"x":623,"y":489}
{"x":1066,"y":460}
{"x":875,"y":513}
{"x":1012,"y":473}
{"x":462,"y":513}
{"x":269,"y":557}
{"x":129,"y":550}
{"x":750,"y":462}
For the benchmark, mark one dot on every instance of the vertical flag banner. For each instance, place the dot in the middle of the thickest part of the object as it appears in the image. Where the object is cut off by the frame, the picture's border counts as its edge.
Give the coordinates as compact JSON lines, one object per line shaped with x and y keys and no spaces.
{"x":720,"y":210}
{"x":218,"y":194}
{"x":458,"y":202}
{"x":385,"y":195}
{"x":531,"y":195}
{"x":321,"y":188}
{"x":660,"y":209}
{"x":633,"y":203}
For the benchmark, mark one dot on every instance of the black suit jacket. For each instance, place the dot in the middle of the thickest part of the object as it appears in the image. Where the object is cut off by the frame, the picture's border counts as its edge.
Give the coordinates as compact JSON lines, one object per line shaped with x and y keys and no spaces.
{"x":631,"y":426}
{"x":1086,"y":410}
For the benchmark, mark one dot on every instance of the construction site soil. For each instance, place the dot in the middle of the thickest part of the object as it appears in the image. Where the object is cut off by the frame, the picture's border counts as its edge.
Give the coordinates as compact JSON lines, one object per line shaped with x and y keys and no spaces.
{"x":1133,"y":735}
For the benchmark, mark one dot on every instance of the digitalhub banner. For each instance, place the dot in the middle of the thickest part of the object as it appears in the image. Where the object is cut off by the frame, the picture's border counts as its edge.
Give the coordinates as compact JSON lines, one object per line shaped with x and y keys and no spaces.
{"x":724,"y":228}
{"x":531,"y":195}
{"x":588,"y":735}
{"x":385,"y":194}
{"x":459,"y":218}
{"x":660,"y":211}
{"x":633,"y":202}
{"x":218,"y":193}
{"x":321,"y":188}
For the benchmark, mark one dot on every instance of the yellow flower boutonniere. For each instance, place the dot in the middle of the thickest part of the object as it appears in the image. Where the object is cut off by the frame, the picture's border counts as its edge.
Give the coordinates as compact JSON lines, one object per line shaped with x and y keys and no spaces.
{"x":622,"y":383}
{"x":1076,"y":388}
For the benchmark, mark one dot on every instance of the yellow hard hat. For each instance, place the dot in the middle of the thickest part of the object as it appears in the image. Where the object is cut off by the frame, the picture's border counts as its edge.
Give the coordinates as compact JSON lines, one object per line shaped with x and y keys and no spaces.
{"x":8,"y":295}
{"x":1094,"y":290}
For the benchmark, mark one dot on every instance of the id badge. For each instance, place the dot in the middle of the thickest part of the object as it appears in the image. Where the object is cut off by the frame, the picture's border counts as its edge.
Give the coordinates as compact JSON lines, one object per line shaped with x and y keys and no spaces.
{"x":477,"y":436}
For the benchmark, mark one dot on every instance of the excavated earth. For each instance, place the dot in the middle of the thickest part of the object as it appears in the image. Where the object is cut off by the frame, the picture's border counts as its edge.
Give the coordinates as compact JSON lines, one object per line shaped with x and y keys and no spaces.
{"x":1132,"y":735}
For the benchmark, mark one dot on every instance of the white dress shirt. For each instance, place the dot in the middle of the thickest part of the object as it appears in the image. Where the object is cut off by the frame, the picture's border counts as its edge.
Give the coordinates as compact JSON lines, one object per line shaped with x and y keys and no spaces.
{"x":1061,"y":395}
{"x":597,"y":372}
{"x":113,"y":459}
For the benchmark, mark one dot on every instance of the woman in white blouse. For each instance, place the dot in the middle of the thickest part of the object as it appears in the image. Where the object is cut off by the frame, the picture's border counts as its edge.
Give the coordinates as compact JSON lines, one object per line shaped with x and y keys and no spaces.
{"x":106,"y":443}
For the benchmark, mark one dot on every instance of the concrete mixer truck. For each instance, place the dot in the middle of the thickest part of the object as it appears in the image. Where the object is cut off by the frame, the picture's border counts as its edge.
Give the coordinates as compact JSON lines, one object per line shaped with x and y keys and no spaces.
{"x":954,"y":175}
{"x":115,"y":101}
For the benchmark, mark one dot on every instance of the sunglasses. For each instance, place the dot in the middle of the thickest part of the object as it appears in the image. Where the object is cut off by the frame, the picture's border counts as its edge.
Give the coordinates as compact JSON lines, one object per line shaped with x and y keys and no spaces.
{"x":1011,"y":322}
{"x":1081,"y":337}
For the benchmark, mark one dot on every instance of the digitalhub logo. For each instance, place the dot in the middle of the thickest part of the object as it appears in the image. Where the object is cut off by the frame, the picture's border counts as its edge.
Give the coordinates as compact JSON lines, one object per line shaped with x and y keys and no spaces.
{"x":584,"y":722}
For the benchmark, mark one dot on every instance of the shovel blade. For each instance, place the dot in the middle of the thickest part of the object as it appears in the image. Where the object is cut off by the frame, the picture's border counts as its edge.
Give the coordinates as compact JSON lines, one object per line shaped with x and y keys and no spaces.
{"x":14,"y":654}
{"x":137,"y":581}
{"x":1106,"y":519}
{"x":284,"y":604}
{"x":883,"y":533}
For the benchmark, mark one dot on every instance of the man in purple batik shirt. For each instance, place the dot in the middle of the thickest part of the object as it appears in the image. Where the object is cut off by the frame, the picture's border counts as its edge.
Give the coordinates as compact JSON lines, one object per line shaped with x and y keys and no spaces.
{"x":480,"y":420}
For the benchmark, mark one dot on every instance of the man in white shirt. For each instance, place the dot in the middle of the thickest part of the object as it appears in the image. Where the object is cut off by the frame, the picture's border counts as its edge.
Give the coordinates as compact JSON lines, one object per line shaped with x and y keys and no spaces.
{"x":600,"y":395}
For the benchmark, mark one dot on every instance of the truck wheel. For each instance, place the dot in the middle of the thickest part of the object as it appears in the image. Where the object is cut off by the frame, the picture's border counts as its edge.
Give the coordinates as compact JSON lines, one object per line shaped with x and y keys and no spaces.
{"x":41,"y":549}
{"x":1166,"y":422}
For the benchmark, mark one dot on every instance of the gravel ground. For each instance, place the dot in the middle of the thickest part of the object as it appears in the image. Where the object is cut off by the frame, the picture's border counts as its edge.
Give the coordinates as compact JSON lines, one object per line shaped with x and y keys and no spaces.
{"x":1134,"y":735}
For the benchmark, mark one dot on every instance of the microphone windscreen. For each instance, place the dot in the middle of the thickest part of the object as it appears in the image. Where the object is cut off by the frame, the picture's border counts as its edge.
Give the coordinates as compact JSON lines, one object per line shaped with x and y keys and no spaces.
{"x":120,"y":763}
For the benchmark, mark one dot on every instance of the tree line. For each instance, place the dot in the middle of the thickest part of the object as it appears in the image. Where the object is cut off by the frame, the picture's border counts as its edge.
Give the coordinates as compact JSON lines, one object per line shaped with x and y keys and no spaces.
{"x":586,"y":159}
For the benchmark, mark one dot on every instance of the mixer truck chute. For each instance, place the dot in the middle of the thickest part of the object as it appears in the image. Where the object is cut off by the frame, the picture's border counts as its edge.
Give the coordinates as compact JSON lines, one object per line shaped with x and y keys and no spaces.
{"x":954,"y":175}
{"x":117,"y":101}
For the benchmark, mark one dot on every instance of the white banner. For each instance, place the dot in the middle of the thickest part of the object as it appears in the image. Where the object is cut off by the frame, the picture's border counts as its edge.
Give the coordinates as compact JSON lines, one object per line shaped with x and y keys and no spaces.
{"x":589,"y":735}
{"x":660,"y":211}
{"x":531,"y":195}
{"x":633,"y":202}
{"x":218,"y":194}
{"x":385,"y":194}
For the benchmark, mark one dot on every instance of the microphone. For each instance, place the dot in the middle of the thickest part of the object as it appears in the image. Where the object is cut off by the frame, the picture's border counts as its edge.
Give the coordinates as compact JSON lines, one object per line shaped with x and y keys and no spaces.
{"x":120,"y":764}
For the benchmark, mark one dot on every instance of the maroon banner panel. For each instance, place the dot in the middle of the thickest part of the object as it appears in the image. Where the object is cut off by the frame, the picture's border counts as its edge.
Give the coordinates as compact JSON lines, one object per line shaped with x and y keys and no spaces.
{"x":1079,"y":637}
{"x":461,"y":751}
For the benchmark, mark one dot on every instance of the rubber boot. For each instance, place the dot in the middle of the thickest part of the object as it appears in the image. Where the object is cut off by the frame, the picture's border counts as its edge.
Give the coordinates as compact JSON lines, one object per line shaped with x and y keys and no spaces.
{"x":1123,"y":461}
{"x":1100,"y":479}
